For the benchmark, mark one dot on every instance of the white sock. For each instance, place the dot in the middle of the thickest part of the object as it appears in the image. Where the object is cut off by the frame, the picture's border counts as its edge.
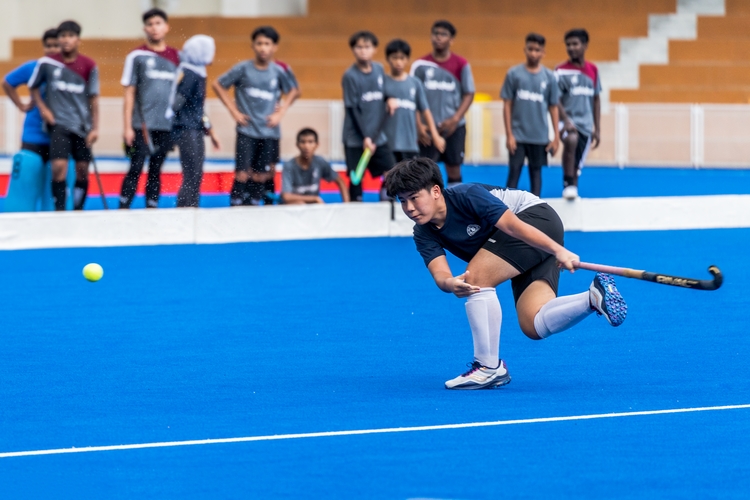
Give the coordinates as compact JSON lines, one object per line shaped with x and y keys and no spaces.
{"x":485,"y":316}
{"x":561,"y":313}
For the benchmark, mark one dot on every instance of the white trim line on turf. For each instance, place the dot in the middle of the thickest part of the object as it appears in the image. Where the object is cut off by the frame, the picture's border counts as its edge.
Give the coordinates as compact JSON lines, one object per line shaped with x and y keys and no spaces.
{"x":277,"y":437}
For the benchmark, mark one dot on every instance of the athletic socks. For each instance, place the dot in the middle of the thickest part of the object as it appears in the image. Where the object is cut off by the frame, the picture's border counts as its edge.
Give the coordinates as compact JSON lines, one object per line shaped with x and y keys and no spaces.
{"x":561,"y":313}
{"x":485,"y":316}
{"x":59,"y":193}
{"x":237,"y":196}
{"x":79,"y":194}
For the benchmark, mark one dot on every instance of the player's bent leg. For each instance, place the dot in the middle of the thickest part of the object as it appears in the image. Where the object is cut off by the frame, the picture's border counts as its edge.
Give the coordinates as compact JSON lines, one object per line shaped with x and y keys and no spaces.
{"x":59,"y":182}
{"x":531,"y":301}
{"x":488,"y":270}
{"x":82,"y":184}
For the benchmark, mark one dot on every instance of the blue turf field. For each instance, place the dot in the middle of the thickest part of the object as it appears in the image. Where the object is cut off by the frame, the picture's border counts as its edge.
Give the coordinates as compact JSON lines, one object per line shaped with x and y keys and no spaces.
{"x":221,"y":341}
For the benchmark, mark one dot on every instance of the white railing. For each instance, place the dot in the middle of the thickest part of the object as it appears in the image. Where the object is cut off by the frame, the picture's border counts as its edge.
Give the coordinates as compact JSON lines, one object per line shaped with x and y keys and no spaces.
{"x":695,"y":135}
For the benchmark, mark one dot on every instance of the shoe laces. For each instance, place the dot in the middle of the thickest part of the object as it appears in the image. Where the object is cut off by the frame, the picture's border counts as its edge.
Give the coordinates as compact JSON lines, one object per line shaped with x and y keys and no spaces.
{"x":472,"y":368}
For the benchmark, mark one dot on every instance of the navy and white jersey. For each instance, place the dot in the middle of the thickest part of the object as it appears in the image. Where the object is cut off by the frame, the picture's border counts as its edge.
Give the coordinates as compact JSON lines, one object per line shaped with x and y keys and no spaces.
{"x":472,"y":212}
{"x":257,"y":92}
{"x":152,"y":74}
{"x":532,"y":95}
{"x":401,"y":127}
{"x":578,"y":86}
{"x":70,"y":86}
{"x":445,"y":82}
{"x":363,"y":92}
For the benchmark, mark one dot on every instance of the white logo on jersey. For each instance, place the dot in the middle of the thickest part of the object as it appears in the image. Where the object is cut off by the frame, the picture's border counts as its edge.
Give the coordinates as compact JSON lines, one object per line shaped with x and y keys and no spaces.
{"x":574,"y":79}
{"x":155,"y":74}
{"x":260,"y":94}
{"x":150,"y":62}
{"x":380,"y":82}
{"x":582,"y":91}
{"x":57,"y":73}
{"x":472,"y":229}
{"x":413,"y":92}
{"x":544,"y":85}
{"x":373,"y":95}
{"x":274,"y":82}
{"x":73,"y":88}
{"x":436,"y":85}
{"x":527,"y":95}
{"x":403,"y":103}
{"x":430,"y":73}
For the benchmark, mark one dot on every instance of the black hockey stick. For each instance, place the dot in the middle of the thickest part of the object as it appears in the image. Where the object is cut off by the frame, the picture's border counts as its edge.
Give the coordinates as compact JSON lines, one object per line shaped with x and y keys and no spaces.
{"x":99,"y":183}
{"x":664,"y":279}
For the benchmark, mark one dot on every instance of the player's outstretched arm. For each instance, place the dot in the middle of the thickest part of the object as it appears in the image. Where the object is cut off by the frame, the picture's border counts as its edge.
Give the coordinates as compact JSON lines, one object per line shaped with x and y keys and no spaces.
{"x":46,"y":113}
{"x":510,"y":224}
{"x":342,"y":189}
{"x":448,"y":283}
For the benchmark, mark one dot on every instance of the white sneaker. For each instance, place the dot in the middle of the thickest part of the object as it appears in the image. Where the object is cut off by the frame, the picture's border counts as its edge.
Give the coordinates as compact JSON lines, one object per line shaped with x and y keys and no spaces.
{"x":570,"y":192}
{"x":480,"y":377}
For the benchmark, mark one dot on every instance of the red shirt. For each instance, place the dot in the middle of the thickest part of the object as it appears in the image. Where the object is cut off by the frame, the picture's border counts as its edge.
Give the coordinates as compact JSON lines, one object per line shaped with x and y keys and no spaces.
{"x":170,"y":53}
{"x":82,"y":65}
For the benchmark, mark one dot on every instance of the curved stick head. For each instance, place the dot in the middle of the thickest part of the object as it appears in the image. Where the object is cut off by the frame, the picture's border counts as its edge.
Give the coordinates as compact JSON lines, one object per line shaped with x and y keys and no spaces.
{"x":718,"y":278}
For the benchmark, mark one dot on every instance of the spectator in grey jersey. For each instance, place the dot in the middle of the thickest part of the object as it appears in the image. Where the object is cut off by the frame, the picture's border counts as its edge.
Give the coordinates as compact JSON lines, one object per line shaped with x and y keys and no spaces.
{"x":530,"y":92}
{"x":257,"y":108}
{"x":365,"y":115}
{"x":302,"y":175}
{"x":147,"y":77}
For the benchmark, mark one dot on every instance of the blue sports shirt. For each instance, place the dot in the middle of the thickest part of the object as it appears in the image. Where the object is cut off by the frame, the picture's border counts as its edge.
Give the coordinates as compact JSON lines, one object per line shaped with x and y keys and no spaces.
{"x":33,"y":132}
{"x":472,"y":212}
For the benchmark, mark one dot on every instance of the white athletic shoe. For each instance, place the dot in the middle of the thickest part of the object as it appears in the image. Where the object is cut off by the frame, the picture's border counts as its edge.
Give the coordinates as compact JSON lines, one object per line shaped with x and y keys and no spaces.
{"x":480,"y":377}
{"x":570,"y":192}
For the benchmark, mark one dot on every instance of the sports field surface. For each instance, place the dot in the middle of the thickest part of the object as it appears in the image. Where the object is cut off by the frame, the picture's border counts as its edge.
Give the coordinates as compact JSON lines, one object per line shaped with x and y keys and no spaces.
{"x":311,"y":340}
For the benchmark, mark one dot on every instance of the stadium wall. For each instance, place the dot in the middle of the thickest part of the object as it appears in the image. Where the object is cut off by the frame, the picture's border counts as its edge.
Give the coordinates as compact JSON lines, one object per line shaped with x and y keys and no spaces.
{"x":362,"y":220}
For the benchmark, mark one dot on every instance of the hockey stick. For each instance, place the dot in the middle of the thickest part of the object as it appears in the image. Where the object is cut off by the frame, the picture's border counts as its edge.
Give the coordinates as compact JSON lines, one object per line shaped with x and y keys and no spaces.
{"x":664,"y":279}
{"x":99,"y":183}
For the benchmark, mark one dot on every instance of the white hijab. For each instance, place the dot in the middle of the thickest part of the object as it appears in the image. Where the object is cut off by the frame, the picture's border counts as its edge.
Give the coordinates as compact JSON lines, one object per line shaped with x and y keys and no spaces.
{"x":197,"y":52}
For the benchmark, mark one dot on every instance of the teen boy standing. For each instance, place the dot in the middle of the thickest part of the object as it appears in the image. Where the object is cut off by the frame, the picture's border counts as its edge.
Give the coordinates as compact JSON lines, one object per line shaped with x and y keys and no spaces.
{"x":257,"y":108}
{"x":530,"y":92}
{"x":580,"y":108}
{"x":148,"y":75}
{"x":71,"y":110}
{"x":365,"y":111}
{"x":406,"y":98}
{"x":449,"y":83}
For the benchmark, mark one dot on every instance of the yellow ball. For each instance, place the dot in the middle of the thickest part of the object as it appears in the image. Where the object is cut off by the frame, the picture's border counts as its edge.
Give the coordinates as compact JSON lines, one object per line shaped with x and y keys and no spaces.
{"x":93,"y":272}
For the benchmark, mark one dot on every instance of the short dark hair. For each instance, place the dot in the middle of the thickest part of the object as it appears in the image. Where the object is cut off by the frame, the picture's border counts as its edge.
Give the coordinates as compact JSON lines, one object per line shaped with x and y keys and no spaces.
{"x":50,"y":33}
{"x":579,"y":33}
{"x":363,"y":35}
{"x":536,"y":38}
{"x":307,"y":131}
{"x":155,"y":13}
{"x":447,"y":25}
{"x":397,"y":45}
{"x":266,"y":31}
{"x":69,"y":26}
{"x":412,"y":176}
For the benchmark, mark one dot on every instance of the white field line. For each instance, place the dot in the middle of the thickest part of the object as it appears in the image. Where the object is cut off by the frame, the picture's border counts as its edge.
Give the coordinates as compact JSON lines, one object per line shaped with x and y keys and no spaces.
{"x":249,"y":439}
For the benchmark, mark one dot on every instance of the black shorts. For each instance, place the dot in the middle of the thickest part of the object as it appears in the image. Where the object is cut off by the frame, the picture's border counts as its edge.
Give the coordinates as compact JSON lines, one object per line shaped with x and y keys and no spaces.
{"x":455,"y":145}
{"x":258,"y":155}
{"x":400,"y":156}
{"x":532,"y":263}
{"x":536,"y":153}
{"x":381,"y":162}
{"x":64,"y":143}
{"x":40,"y":149}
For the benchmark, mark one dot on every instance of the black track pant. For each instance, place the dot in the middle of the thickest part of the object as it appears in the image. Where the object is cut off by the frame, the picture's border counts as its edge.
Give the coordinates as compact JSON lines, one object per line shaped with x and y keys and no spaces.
{"x":162,"y":143}
{"x":192,"y":155}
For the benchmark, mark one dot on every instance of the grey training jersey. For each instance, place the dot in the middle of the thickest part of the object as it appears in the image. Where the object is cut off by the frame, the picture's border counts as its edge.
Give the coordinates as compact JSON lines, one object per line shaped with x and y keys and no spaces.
{"x":578,"y":86}
{"x":152,"y":76}
{"x":364,"y":92}
{"x":445,"y":83}
{"x":69,"y":88}
{"x":532,"y":95}
{"x":257,"y":91}
{"x":295,"y":179}
{"x":401,"y":127}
